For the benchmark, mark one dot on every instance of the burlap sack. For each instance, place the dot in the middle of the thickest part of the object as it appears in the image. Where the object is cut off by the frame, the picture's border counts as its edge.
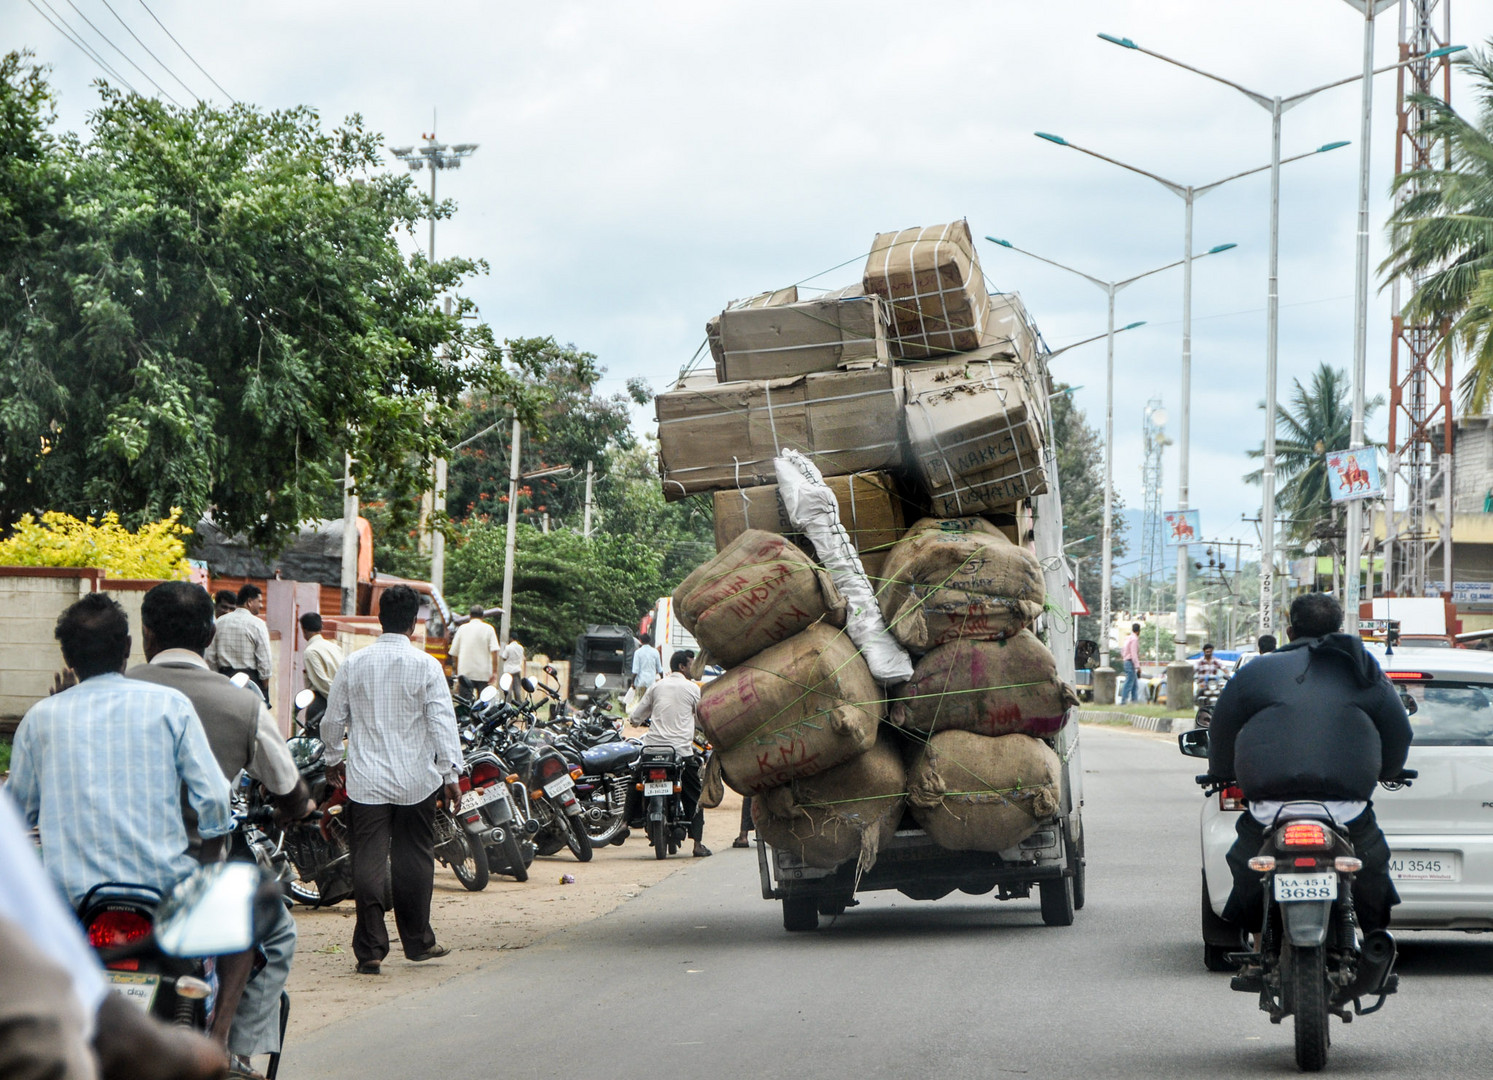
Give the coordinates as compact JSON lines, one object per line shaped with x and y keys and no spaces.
{"x":973,"y":793}
{"x":958,"y":578}
{"x":757,"y":592}
{"x":988,"y":687}
{"x":843,"y":813}
{"x":791,"y":711}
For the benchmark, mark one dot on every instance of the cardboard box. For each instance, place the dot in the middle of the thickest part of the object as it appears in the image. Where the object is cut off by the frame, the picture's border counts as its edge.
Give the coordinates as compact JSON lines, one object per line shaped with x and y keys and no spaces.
{"x":771,"y":298}
{"x":975,"y":430}
{"x":871,"y":509}
{"x":931,"y":280}
{"x":713,"y":436}
{"x":838,"y":330}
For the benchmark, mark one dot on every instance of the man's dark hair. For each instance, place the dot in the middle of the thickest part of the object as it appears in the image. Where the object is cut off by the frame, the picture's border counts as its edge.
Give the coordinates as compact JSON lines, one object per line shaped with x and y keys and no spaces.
{"x":1207,"y":645}
{"x":645,"y":638}
{"x":179,"y":615}
{"x":1135,"y":628}
{"x":311,"y":624}
{"x":1267,"y":643}
{"x":1316,"y":615}
{"x":95,"y":636}
{"x":249,"y":592}
{"x":226,"y":598}
{"x":477,"y":611}
{"x":398,"y":608}
{"x":681,"y":660}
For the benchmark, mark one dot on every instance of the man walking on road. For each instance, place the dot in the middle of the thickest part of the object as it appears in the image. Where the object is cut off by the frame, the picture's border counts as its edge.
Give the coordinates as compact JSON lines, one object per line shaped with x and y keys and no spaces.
{"x":402,"y":756}
{"x":513,"y":667}
{"x":474,"y":649}
{"x":242,"y":641}
{"x":1130,"y":654}
{"x":321,"y":661}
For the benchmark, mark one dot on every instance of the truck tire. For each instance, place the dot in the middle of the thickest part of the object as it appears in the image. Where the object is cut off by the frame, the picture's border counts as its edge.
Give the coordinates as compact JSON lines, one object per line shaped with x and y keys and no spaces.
{"x":1057,"y":901}
{"x":1219,"y":938}
{"x":800,"y":913}
{"x":1076,"y":864}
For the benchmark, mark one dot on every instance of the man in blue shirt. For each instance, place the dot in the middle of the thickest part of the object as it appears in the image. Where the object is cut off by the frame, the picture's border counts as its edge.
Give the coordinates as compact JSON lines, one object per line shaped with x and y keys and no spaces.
{"x":99,"y":768}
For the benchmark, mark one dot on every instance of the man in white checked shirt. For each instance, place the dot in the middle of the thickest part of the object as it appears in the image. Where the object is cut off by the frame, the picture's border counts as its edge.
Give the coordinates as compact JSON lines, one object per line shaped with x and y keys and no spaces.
{"x":403,"y":753}
{"x":99,"y":768}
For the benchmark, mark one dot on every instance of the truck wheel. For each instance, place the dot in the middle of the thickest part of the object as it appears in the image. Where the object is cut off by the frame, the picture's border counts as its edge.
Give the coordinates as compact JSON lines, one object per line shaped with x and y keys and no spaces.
{"x":1057,"y":901}
{"x":1076,"y":864}
{"x":1219,"y":938}
{"x":800,"y":913}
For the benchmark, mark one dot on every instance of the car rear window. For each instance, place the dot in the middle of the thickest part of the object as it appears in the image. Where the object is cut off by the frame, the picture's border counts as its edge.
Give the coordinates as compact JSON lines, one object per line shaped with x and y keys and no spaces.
{"x":1449,"y":713}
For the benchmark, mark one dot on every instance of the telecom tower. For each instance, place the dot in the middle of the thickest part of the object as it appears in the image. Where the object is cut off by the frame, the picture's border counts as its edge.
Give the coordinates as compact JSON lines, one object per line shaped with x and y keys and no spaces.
{"x":1151,"y":552}
{"x":1420,"y":395}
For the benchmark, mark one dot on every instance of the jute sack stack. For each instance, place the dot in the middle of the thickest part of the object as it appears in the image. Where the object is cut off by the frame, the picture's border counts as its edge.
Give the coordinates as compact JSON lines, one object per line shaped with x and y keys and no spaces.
{"x":796,"y":709}
{"x":757,"y":592}
{"x":843,"y":813}
{"x":958,"y":578}
{"x":988,"y":687}
{"x":973,"y":793}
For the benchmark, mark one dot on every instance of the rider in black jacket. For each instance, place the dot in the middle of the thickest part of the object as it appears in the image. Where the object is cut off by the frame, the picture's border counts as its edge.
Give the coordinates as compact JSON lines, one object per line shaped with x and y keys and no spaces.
{"x":1316,"y":720}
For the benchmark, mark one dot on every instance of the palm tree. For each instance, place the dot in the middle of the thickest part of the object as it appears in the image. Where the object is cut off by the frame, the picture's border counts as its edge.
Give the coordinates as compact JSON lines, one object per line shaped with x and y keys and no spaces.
{"x":1319,"y":419}
{"x":1445,"y":232}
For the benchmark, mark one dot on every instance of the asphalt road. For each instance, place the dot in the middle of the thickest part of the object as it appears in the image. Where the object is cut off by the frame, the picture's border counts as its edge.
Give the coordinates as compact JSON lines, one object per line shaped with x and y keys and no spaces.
{"x":696,"y":977}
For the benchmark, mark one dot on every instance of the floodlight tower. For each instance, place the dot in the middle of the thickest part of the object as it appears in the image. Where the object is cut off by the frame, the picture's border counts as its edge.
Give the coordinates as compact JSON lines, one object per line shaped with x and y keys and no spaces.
{"x":1154,"y":432}
{"x":435,"y":156}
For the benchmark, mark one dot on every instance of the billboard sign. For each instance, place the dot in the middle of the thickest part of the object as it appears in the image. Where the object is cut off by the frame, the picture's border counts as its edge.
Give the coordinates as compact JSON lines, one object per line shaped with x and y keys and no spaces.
{"x":1180,"y":527}
{"x":1354,"y":474}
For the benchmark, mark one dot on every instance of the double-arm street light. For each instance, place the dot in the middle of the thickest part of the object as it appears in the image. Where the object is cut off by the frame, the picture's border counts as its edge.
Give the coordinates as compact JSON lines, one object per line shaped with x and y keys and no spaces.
{"x":1110,"y":289}
{"x":1277,"y":106}
{"x":1188,"y":193}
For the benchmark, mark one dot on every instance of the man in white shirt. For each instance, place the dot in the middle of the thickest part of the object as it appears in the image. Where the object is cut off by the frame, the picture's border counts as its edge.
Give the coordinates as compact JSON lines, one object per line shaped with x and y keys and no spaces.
{"x":513,"y":667}
{"x":403,"y":754}
{"x":669,"y":708}
{"x":474,"y":650}
{"x":242,"y":641}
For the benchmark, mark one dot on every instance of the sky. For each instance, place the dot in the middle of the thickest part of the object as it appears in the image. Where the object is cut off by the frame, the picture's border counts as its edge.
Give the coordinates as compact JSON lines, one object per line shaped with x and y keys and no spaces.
{"x":640,"y":164}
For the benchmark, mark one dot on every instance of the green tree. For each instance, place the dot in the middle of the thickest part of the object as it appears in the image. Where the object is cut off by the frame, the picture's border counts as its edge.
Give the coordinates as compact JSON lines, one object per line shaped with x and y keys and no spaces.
{"x":206,"y":308}
{"x":1318,"y":419}
{"x":1080,"y":454}
{"x":561,"y":580}
{"x":1444,"y":231}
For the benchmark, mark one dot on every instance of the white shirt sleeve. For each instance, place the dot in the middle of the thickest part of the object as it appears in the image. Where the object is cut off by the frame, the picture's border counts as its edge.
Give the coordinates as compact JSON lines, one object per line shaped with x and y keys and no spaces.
{"x":272,"y":765}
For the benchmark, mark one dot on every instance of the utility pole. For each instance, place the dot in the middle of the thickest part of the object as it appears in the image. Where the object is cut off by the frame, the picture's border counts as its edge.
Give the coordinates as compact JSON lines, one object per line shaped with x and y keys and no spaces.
{"x":509,"y":546}
{"x":586,"y":521}
{"x":349,"y":538}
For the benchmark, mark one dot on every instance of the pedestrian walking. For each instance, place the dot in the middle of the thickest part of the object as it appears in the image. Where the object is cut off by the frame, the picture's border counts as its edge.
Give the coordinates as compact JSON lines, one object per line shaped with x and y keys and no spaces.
{"x":513,"y":666}
{"x":402,"y":757}
{"x":242,"y":641}
{"x":475,"y":651}
{"x":1130,"y":654}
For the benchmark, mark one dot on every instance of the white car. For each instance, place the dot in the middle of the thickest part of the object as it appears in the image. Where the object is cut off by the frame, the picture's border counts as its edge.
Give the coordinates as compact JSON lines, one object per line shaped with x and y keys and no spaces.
{"x":1440,"y":829}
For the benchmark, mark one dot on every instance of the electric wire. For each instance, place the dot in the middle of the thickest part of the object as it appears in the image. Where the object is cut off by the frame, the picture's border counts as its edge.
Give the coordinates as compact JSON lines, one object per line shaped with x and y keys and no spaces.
{"x":66,"y":30}
{"x":188,"y":55}
{"x":109,"y":41}
{"x":131,"y":31}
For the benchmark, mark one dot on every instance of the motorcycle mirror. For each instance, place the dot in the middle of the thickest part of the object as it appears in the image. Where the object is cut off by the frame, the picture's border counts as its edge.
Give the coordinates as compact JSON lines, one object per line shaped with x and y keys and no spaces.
{"x":599,"y":681}
{"x":214,"y":911}
{"x":1193,"y":743}
{"x":506,"y":682}
{"x":490,"y":692}
{"x":549,"y":669}
{"x":528,"y":684}
{"x":304,"y":699}
{"x":240,"y":680}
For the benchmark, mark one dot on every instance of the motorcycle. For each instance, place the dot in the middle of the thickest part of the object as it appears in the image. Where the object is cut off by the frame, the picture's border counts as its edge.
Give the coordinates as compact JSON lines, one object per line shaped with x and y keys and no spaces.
{"x":659,"y":812}
{"x":1313,"y":960}
{"x":605,"y":760}
{"x":317,"y":848}
{"x":548,"y":781}
{"x":1206,"y":698}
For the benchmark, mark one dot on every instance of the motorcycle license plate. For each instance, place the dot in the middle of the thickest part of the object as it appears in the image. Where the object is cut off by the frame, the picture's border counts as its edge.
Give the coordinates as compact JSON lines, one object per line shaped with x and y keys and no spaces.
{"x":135,"y":987}
{"x":1425,"y":866}
{"x":559,"y":786}
{"x":658,"y":787}
{"x":1290,"y":888}
{"x":481,"y":797}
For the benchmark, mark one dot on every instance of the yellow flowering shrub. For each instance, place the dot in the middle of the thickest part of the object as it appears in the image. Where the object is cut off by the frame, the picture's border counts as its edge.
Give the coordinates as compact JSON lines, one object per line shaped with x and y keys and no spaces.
{"x":156,"y":550}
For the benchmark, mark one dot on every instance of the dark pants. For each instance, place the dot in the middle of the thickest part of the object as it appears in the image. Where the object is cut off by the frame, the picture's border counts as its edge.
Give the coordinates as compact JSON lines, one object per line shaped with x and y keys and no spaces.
{"x":1373,"y":891}
{"x":400,"y":839}
{"x":746,"y":815}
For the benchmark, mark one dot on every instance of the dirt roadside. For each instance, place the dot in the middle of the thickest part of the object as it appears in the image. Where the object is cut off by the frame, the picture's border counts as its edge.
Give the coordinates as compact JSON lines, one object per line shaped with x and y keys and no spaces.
{"x":479,"y":927}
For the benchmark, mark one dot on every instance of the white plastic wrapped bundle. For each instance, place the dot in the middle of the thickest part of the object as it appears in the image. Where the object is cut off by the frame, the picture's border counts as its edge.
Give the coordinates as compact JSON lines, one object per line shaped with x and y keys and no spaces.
{"x":812,"y":509}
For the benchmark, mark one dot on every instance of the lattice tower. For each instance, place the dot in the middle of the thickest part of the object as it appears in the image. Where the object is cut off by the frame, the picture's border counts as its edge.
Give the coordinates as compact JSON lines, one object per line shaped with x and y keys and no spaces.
{"x":1152,"y":549}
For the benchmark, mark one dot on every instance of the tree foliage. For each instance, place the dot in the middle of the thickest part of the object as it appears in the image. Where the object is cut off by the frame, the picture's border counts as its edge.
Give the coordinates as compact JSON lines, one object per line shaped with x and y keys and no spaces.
{"x":155,"y":550}
{"x":206,"y":308}
{"x":1080,"y":454}
{"x":1444,"y":231}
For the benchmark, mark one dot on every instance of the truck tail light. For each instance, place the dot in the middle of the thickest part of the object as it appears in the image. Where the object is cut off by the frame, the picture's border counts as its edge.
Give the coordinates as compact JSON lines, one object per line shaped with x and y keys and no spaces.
{"x":1231,"y":798}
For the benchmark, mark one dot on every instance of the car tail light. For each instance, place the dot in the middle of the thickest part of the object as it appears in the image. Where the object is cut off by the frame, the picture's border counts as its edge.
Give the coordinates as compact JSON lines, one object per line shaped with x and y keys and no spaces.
{"x":658,"y":774}
{"x":485,"y":773}
{"x":1304,"y":834}
{"x":1231,"y":798}
{"x":1408,"y":676}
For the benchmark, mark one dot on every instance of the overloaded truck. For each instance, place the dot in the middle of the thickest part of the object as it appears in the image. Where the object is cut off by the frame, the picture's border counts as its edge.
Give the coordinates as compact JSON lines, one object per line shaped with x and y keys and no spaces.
{"x":897,"y":697}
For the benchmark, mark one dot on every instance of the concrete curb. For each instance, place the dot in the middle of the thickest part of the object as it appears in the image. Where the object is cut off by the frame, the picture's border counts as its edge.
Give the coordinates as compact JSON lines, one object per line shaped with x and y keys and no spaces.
{"x":1163,"y":725}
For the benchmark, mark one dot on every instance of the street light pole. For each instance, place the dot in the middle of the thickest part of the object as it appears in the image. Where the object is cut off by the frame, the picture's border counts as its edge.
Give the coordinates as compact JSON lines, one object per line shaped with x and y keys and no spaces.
{"x":1277,"y":106}
{"x":1188,"y":194}
{"x":1110,"y":289}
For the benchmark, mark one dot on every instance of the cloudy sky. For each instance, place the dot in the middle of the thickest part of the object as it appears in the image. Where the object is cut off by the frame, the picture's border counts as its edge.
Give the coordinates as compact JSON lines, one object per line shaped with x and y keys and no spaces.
{"x":642,"y":163}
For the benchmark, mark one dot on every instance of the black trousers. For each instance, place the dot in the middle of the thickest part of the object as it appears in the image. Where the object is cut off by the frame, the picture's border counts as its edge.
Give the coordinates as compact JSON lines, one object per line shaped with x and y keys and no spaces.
{"x":746,"y":815}
{"x":386,"y":838}
{"x":1373,"y":891}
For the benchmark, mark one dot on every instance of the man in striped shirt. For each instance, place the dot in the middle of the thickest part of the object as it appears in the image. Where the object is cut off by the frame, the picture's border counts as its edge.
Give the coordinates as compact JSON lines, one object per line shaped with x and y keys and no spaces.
{"x":99,"y":768}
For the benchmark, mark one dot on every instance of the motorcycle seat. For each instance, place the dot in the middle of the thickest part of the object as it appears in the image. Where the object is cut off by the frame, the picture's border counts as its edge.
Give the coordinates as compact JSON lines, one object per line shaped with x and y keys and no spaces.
{"x":610,"y":757}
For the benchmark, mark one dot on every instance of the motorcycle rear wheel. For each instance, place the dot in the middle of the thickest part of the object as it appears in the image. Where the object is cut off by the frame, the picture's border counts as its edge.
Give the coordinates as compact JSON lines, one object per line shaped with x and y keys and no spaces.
{"x":605,"y":831}
{"x":577,"y":838}
{"x":1309,"y":1003}
{"x":658,"y":836}
{"x":468,"y":861}
{"x":513,"y":856}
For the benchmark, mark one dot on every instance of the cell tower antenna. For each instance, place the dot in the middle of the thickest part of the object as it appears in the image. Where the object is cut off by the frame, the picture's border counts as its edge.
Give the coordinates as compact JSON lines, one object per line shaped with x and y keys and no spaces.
{"x":1152,"y":550}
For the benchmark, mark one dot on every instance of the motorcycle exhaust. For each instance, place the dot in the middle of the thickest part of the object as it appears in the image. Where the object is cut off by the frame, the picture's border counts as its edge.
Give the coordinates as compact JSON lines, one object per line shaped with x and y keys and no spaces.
{"x":1376,"y":961}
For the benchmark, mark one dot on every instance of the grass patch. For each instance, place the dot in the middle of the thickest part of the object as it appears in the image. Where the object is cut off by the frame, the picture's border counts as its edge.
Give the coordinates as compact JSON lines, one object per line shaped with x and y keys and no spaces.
{"x":1139,"y":710}
{"x":4,"y":754}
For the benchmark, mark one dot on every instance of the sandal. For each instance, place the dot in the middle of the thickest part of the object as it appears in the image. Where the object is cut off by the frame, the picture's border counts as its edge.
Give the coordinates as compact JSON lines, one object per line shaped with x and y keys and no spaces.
{"x":703,"y":852}
{"x":741,"y":841}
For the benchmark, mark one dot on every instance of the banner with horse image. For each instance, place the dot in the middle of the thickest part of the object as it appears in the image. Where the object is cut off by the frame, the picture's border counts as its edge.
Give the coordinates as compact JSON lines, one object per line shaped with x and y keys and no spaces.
{"x":1353,"y":474}
{"x":1179,"y":527}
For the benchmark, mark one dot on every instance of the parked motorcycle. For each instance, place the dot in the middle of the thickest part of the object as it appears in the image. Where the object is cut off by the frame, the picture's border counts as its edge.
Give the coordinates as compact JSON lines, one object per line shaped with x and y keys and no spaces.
{"x":605,"y":759}
{"x":317,"y":849}
{"x":548,"y":781}
{"x":1313,"y":961}
{"x":659,"y":812}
